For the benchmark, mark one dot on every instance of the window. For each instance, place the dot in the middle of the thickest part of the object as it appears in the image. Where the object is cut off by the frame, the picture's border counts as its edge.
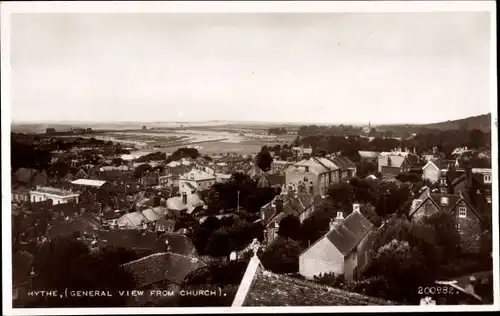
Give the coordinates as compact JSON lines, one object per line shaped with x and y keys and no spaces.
{"x":462,"y":211}
{"x":487,"y":178}
{"x":457,"y":225}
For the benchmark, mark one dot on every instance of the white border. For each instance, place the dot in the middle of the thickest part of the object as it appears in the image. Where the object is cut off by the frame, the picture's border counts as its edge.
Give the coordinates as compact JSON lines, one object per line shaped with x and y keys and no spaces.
{"x":8,"y":8}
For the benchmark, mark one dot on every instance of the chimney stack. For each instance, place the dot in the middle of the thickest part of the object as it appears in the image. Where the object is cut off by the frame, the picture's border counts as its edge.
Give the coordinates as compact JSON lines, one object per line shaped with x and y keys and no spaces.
{"x":184,"y":198}
{"x":334,"y":222}
{"x":356,"y":207}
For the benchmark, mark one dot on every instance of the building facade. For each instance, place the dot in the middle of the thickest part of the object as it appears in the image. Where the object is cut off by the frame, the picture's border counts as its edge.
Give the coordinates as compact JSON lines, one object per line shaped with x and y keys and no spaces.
{"x":58,"y":196}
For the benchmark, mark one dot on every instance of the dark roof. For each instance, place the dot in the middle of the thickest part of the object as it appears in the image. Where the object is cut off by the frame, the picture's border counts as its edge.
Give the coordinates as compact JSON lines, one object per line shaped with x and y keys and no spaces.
{"x":349,"y":233}
{"x":358,"y":224}
{"x":132,"y":239}
{"x":276,"y":179}
{"x":180,"y":244}
{"x":21,"y":266}
{"x":77,"y":225}
{"x":162,"y":266}
{"x":270,"y":289}
{"x":343,"y":163}
{"x":343,"y":239}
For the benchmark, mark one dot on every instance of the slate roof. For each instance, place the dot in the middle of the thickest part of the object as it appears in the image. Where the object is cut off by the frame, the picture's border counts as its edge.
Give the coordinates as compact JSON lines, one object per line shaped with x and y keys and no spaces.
{"x":276,"y":179}
{"x":292,"y":205}
{"x":152,"y":215}
{"x":396,"y":160}
{"x":77,"y":225}
{"x":131,"y":239}
{"x":347,"y":234}
{"x":269,"y":289}
{"x":436,"y":199}
{"x":164,"y":266}
{"x":343,"y":163}
{"x":317,"y":164}
{"x":134,"y":219}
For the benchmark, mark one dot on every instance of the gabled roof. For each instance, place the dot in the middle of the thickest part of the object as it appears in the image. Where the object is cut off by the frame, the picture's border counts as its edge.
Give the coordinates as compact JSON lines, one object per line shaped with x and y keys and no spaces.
{"x":343,"y":163}
{"x":437,"y":199}
{"x":294,"y":205}
{"x":164,"y":266}
{"x":151,"y":215}
{"x":263,"y":288}
{"x":197,"y":175}
{"x":316,"y":164}
{"x":345,"y":236}
{"x":134,"y":219}
{"x":396,"y":160}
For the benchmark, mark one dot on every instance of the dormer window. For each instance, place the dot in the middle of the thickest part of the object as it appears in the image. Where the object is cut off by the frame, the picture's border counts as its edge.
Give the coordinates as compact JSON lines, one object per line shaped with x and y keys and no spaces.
{"x":307,"y":168}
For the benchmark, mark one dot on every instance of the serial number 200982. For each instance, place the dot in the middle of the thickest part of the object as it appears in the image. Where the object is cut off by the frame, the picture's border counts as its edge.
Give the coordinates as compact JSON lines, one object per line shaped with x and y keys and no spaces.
{"x":446,"y":290}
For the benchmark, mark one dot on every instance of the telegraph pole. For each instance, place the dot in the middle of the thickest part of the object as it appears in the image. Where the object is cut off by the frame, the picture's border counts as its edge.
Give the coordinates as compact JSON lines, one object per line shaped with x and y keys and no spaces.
{"x":238,"y":202}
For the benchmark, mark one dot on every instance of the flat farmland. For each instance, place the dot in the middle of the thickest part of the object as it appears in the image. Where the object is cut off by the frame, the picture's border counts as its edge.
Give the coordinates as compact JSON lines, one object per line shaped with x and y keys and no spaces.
{"x":204,"y":139}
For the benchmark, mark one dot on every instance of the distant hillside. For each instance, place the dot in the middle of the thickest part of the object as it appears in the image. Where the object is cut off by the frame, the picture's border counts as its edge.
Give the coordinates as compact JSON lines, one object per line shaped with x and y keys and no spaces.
{"x":481,"y":122}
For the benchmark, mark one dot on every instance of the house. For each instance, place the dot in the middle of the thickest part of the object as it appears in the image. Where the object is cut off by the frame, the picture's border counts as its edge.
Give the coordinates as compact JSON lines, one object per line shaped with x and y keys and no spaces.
{"x":264,"y":288}
{"x":81,"y":174}
{"x":185,"y":203}
{"x":150,"y":180}
{"x":222,"y":177}
{"x":368,"y":155}
{"x":346,"y":166}
{"x":467,"y":219}
{"x":196,"y":180}
{"x":318,"y":172}
{"x":280,"y":166}
{"x":165,"y":225}
{"x":140,"y":241}
{"x":160,"y":272}
{"x":461,"y":151}
{"x":434,"y":170}
{"x":343,"y":250}
{"x":58,"y":196}
{"x":392,"y":164}
{"x":300,"y":204}
{"x":132,"y":220}
{"x":20,"y":194}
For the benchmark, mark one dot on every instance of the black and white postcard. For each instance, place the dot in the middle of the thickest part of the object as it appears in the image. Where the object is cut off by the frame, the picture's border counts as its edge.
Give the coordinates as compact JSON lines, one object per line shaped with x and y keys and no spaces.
{"x":187,"y":157}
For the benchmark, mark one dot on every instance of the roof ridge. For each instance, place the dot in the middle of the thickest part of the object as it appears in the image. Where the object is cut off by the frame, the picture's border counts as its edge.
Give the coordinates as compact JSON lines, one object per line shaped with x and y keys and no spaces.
{"x":318,"y":285}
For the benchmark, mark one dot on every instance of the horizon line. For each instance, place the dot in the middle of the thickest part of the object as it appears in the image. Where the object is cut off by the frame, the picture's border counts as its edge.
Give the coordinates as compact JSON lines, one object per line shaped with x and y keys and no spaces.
{"x":229,"y":122}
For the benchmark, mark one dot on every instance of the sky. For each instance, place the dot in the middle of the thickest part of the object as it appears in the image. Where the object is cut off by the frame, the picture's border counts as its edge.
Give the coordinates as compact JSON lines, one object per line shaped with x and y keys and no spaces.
{"x":275,"y":67}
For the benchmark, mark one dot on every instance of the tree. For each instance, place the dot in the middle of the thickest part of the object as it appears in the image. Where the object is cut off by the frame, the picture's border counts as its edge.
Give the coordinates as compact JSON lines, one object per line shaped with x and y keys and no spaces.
{"x":66,"y":263}
{"x":401,"y":266}
{"x":341,"y":194}
{"x":447,"y":236}
{"x":264,"y":160}
{"x":141,"y":170}
{"x":117,"y":162}
{"x":290,"y":228}
{"x":282,"y":256}
{"x":225,"y":276}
